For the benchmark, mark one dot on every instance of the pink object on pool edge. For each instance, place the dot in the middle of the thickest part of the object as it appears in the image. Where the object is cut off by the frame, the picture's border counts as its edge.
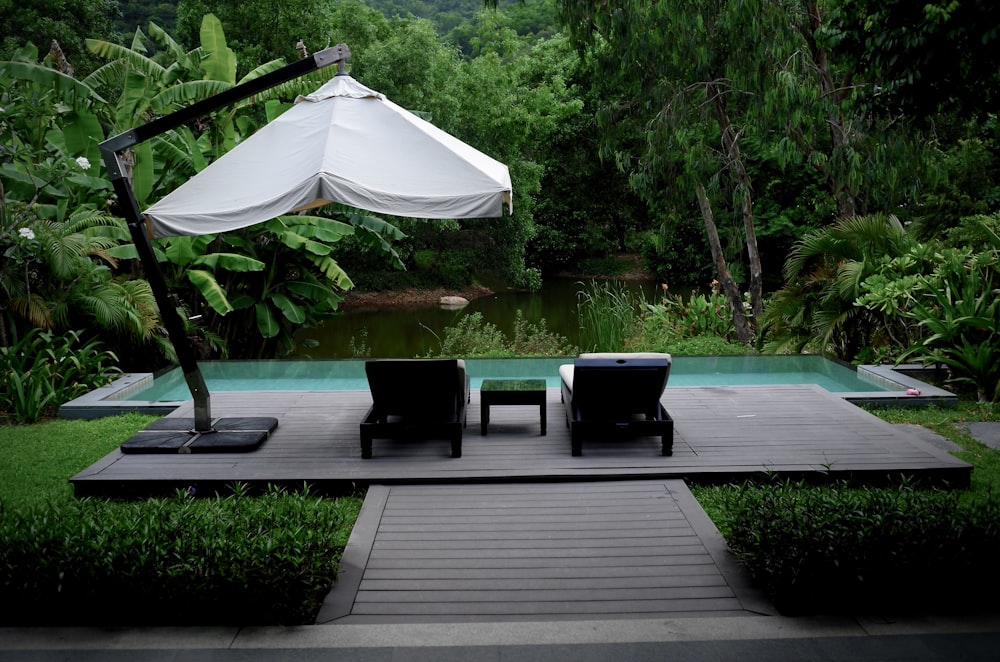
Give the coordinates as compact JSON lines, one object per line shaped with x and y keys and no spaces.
{"x":913,"y":391}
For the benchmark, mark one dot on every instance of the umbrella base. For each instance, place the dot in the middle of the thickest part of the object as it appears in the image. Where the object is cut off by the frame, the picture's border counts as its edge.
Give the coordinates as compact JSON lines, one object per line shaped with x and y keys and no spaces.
{"x":176,"y":435}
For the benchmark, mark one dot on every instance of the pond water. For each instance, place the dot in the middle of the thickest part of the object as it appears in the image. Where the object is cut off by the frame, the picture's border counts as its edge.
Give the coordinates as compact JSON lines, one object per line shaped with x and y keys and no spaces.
{"x":412,"y":331}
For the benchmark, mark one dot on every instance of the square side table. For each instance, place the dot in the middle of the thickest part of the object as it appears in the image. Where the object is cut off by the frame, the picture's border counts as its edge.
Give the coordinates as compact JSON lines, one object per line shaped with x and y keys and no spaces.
{"x":495,"y":392}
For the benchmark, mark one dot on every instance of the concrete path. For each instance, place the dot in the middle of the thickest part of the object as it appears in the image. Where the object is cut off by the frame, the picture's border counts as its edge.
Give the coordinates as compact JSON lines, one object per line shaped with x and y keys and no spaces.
{"x":765,"y":638}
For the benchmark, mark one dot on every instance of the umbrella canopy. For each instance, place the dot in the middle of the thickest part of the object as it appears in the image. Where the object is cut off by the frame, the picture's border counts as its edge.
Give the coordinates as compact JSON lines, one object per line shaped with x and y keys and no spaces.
{"x":343,"y":143}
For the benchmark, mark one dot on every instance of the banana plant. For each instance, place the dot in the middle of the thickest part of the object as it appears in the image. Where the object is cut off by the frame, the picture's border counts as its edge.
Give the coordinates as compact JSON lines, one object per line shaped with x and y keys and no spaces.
{"x":287,"y":279}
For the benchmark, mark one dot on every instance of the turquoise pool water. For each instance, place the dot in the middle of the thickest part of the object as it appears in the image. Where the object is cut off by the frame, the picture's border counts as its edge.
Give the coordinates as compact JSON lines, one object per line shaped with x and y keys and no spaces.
{"x":349,"y":375}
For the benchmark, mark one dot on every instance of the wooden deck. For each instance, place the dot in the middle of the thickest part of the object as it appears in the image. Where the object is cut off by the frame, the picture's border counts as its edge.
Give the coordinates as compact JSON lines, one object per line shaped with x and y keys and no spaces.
{"x":721,"y":433}
{"x":531,"y":552}
{"x":519,"y":530}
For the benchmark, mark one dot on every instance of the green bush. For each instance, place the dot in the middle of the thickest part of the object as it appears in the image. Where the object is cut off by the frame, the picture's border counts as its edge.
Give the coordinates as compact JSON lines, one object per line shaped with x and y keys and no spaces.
{"x":696,"y":346}
{"x":954,"y":308}
{"x":830,"y":549}
{"x":42,"y":371}
{"x":699,"y":315}
{"x":699,"y":326}
{"x":473,"y":336}
{"x":175,"y":561}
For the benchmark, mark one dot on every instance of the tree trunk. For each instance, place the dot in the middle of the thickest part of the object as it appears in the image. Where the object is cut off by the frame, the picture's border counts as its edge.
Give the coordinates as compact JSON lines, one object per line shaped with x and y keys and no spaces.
{"x":729,"y":287}
{"x":734,"y":160}
{"x":846,"y":204}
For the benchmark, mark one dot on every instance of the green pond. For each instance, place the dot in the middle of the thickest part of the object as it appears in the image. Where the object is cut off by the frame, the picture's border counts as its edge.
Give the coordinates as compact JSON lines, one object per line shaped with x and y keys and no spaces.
{"x":412,"y":331}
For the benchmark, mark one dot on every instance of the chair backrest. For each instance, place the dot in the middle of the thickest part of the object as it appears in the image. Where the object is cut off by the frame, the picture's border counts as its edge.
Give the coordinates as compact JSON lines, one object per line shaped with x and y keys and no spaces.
{"x":427,"y":389}
{"x":611,"y":387}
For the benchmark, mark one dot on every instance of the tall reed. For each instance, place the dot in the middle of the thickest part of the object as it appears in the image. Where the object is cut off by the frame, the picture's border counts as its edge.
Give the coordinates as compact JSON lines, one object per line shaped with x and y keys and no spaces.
{"x":609,"y":313}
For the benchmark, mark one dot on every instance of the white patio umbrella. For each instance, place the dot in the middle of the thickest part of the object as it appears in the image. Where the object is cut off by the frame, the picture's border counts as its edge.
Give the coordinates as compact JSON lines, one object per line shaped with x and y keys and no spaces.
{"x":343,"y":143}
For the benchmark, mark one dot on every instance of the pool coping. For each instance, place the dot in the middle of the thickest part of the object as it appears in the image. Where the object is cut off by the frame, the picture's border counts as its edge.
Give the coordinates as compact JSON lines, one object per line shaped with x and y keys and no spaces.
{"x":913,"y":392}
{"x":107,"y":400}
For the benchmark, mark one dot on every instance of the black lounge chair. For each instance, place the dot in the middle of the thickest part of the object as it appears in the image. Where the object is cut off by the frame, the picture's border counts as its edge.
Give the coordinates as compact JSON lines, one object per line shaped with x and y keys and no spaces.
{"x":416,"y":399}
{"x":616,"y":395}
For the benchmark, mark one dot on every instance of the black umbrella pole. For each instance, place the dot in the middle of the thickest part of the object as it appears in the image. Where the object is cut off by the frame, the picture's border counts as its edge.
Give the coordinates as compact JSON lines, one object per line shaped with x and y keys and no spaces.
{"x":168,"y":312}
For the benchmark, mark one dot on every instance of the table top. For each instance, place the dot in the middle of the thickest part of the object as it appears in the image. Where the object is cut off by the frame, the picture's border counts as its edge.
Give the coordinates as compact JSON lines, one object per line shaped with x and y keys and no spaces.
{"x":513,"y":385}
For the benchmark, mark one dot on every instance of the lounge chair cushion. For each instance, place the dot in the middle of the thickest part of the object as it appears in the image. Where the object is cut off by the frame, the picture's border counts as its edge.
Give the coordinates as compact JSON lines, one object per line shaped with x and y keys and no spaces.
{"x":566,"y":370}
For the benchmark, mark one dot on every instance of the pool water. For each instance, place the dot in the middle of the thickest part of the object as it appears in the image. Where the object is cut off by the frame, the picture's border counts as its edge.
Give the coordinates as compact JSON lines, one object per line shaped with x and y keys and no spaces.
{"x":349,"y":375}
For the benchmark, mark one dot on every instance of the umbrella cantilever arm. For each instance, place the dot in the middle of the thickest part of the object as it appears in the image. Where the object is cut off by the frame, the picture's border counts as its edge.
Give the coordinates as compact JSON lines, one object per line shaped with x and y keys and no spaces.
{"x":111,"y":152}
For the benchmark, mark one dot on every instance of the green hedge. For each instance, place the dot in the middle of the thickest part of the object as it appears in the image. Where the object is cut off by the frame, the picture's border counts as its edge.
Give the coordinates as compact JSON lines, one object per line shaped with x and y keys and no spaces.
{"x":834,"y":549}
{"x":175,"y":561}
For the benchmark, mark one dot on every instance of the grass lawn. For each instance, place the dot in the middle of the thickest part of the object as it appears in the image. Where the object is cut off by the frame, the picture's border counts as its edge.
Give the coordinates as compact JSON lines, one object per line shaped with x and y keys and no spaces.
{"x":951,"y":424}
{"x":39,"y":459}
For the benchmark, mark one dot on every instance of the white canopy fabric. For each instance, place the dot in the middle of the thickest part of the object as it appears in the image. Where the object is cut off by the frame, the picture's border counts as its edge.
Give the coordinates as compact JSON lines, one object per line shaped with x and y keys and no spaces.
{"x":343,"y":143}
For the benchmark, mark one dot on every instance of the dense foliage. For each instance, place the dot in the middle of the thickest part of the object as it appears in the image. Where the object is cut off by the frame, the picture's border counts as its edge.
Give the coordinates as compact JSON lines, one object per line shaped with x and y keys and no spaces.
{"x":42,"y":371}
{"x":754,"y":144}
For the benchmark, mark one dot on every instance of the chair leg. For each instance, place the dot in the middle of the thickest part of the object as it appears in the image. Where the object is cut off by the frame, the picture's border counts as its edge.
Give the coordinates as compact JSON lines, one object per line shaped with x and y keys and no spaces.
{"x":576,"y":442}
{"x":667,"y":446}
{"x":366,"y":446}
{"x":668,"y":439}
{"x":456,"y":445}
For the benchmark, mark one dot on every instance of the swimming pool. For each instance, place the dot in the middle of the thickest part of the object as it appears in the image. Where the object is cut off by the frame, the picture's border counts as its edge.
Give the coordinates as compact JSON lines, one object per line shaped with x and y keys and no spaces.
{"x":349,"y":375}
{"x":142,"y":392}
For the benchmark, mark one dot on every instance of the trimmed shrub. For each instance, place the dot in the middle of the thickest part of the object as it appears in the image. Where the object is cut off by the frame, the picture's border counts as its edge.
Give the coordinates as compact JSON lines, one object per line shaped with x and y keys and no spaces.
{"x":831,"y":549}
{"x":236,"y":560}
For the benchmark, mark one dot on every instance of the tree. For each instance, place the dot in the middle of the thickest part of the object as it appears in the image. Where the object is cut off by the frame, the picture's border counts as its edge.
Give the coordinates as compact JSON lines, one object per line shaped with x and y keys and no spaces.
{"x":923,"y":58}
{"x":138,"y":14}
{"x":260,"y":30}
{"x":712,"y":91}
{"x":281,"y":272}
{"x":505,"y":102}
{"x":691,"y":72}
{"x":66,"y":22}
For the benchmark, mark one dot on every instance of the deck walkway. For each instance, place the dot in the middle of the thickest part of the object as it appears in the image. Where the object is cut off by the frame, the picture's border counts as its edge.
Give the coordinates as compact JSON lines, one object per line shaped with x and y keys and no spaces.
{"x":721,"y":433}
{"x":567,"y":551}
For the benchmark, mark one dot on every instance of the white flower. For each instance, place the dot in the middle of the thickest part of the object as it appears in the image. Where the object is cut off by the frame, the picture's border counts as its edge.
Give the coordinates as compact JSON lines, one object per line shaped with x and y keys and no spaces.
{"x":83,"y":162}
{"x":26,"y":233}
